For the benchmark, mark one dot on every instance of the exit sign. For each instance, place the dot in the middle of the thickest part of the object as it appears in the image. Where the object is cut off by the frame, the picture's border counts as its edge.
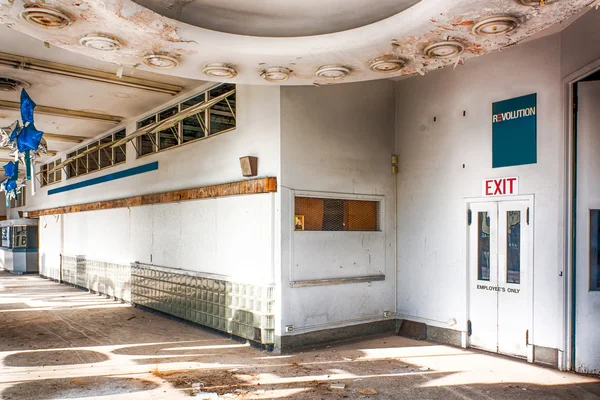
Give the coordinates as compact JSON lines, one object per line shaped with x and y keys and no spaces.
{"x":501,"y":186}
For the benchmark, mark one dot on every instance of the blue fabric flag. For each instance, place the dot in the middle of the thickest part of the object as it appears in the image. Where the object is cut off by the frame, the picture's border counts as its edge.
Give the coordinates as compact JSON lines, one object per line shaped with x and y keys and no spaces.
{"x":27,"y":106}
{"x":11,"y":184}
{"x":29,"y":139}
{"x":10,"y":170}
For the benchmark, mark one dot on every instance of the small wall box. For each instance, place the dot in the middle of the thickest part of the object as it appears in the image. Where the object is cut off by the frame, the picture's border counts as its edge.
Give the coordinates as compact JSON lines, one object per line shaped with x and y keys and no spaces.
{"x":249,"y":166}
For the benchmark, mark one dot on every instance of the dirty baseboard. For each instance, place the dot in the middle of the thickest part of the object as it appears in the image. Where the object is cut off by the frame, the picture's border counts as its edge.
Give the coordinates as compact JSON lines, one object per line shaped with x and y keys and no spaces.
{"x":290,"y":343}
{"x":421,"y":331}
{"x":545,"y":356}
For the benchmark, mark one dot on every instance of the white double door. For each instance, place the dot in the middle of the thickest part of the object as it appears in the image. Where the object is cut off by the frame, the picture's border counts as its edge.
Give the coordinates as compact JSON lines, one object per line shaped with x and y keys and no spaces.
{"x":500,"y":236}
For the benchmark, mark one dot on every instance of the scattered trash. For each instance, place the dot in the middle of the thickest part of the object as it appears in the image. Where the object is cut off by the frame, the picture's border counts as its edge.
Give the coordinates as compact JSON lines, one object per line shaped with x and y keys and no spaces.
{"x":196,"y":389}
{"x":240,"y":391}
{"x":348,"y":359}
{"x":424,"y":369}
{"x":338,"y":386}
{"x":130,"y":318}
{"x":367,"y":391}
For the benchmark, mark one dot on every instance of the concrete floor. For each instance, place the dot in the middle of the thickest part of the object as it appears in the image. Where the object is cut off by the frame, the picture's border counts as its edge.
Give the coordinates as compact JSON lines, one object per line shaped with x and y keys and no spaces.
{"x":58,"y":342}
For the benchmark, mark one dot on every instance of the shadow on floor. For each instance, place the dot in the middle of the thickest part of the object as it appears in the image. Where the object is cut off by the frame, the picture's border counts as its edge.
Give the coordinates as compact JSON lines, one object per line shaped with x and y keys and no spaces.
{"x":53,"y":357}
{"x":77,"y":388}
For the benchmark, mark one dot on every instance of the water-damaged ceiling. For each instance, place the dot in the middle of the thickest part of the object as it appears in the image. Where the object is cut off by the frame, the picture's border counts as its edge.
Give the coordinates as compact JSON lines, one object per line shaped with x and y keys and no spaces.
{"x":286,"y":41}
{"x":73,"y":107}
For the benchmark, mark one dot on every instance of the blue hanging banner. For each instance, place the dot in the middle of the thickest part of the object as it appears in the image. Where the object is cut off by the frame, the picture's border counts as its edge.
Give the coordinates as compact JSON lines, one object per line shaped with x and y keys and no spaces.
{"x":514,"y":131}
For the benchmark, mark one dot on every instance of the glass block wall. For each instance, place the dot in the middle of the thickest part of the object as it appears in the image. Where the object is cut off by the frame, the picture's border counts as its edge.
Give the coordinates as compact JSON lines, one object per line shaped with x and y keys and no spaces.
{"x":241,"y":309}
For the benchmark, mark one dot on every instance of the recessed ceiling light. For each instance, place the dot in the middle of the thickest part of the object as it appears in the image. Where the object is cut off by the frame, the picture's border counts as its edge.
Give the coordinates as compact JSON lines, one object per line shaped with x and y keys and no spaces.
{"x":12,"y":84}
{"x":161,"y":61}
{"x":332,"y":72}
{"x":496,"y":25}
{"x":45,"y":17}
{"x":533,"y":3}
{"x":444,"y":49}
{"x":100,"y":42}
{"x":387,"y":64}
{"x":276,"y":74}
{"x":220,"y":70}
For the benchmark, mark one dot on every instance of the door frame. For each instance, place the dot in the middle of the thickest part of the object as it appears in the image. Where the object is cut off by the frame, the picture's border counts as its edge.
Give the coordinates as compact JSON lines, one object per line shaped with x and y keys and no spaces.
{"x":492,"y":199}
{"x":567,"y":356}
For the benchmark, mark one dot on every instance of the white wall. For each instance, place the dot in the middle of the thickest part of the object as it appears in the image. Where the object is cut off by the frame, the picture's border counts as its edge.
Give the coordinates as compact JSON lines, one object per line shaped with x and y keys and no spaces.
{"x":209,"y":161}
{"x":225,"y":236}
{"x":433,"y":184}
{"x":579,"y":43}
{"x":50,"y":230}
{"x":338,"y":141}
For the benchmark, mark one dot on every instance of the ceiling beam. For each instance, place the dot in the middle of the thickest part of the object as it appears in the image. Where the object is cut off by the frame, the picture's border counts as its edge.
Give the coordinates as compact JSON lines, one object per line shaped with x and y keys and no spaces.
{"x":63,"y":112}
{"x":50,"y":153}
{"x":50,"y":67}
{"x":64,"y":138}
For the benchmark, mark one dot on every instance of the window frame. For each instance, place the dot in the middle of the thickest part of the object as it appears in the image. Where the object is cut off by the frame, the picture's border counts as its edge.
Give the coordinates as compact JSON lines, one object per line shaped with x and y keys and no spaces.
{"x":85,"y":163}
{"x":381,"y":223}
{"x":21,"y":199}
{"x":45,"y":175}
{"x":155,"y":137}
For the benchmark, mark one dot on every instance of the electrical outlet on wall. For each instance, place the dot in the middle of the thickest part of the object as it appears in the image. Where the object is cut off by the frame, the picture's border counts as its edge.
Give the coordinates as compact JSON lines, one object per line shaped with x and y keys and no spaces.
{"x":289,"y":328}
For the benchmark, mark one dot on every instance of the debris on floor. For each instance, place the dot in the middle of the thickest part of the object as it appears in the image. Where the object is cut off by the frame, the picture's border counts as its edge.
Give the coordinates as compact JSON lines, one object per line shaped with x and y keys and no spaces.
{"x":171,"y":361}
{"x":367,"y":391}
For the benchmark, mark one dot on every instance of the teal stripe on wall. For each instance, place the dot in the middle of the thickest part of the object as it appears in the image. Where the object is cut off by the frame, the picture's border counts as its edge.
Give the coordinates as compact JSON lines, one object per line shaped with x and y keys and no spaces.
{"x":107,"y":178}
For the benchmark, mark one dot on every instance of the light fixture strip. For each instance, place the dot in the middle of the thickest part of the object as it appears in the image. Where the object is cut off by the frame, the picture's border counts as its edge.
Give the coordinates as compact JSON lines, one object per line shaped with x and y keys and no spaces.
{"x":87,"y":74}
{"x":11,"y":105}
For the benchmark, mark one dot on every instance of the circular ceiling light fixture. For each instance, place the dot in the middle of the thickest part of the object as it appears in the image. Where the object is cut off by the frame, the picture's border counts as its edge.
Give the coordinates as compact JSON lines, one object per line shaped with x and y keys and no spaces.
{"x":275,"y":74}
{"x":100,"y":42}
{"x":444,"y":49}
{"x":219,"y":70}
{"x":160,"y":61}
{"x":387,"y":64}
{"x":45,"y":17}
{"x":496,"y":25}
{"x":534,"y":3}
{"x":12,"y":84}
{"x":332,"y":72}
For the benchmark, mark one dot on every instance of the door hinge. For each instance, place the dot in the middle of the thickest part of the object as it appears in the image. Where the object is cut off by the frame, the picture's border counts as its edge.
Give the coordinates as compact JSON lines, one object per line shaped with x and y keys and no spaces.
{"x":527,"y":215}
{"x":469,"y":328}
{"x":527,"y":337}
{"x":469,"y":217}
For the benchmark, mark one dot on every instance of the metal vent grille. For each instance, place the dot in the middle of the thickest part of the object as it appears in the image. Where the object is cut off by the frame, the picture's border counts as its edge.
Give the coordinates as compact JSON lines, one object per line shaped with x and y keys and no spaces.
{"x":318,"y":214}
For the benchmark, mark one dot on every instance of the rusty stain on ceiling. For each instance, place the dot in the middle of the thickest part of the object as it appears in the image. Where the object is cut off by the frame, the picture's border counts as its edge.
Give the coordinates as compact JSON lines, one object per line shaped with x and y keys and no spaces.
{"x":406,"y":34}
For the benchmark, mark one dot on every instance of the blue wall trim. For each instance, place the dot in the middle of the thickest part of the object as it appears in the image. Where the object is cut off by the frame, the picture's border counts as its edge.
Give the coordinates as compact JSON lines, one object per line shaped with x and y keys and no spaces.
{"x":107,"y":178}
{"x":19,"y":250}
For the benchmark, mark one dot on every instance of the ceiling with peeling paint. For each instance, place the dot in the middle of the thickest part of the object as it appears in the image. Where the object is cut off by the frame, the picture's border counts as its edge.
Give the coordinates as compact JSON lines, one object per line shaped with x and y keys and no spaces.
{"x":75,"y":94}
{"x":298,"y":35}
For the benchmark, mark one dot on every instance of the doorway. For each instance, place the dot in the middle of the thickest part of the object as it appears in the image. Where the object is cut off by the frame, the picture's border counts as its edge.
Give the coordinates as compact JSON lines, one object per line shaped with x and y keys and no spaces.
{"x":586,"y":216}
{"x":500,"y":271}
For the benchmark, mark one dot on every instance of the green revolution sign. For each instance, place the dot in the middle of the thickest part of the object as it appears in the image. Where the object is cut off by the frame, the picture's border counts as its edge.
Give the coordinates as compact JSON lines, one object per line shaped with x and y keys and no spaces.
{"x":514,"y":131}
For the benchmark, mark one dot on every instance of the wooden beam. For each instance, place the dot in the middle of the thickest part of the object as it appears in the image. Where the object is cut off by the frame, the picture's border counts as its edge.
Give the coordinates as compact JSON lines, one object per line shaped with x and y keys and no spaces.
{"x":252,"y":186}
{"x":63,"y":112}
{"x":64,"y":138}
